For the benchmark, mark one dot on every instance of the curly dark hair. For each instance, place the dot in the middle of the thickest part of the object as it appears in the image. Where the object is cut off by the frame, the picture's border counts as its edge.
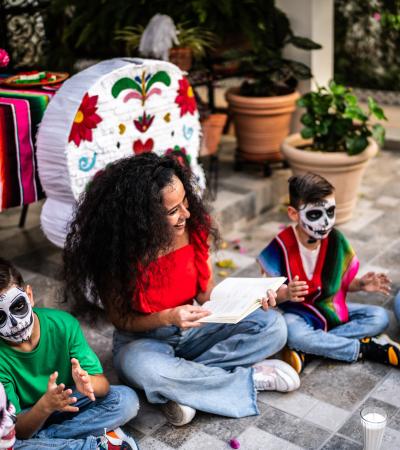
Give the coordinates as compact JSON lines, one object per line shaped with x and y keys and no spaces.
{"x":120,"y":226}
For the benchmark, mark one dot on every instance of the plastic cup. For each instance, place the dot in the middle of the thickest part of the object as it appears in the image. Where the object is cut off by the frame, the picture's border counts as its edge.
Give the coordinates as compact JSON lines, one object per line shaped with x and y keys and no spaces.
{"x":373,"y":421}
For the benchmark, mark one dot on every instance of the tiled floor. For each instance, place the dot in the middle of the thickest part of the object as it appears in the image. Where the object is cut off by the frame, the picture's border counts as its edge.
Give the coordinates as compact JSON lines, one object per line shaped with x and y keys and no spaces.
{"x":324,"y":412}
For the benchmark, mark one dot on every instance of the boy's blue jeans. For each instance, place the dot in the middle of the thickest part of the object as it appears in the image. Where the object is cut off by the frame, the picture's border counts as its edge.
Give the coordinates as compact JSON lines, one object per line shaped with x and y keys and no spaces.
{"x":80,"y":430}
{"x":207,"y":368}
{"x":397,"y":306}
{"x":341,"y":342}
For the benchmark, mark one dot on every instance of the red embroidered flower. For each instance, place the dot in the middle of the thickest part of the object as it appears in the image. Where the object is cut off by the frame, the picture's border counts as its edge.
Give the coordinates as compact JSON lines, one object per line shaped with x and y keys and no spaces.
{"x":185,"y":98}
{"x":85,"y":120}
{"x":143,"y":147}
{"x":144,"y":122}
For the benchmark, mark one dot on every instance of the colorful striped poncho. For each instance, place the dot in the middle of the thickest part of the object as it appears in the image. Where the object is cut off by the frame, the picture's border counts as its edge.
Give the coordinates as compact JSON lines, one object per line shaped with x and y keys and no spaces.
{"x":337,"y":265}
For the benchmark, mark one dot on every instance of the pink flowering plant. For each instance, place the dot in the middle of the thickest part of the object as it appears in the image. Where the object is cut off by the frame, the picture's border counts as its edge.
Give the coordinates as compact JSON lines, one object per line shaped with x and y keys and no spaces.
{"x":4,"y":58}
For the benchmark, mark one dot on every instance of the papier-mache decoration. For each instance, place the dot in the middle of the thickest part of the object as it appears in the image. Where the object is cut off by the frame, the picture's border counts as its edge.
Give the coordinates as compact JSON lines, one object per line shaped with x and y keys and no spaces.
{"x":115,"y":109}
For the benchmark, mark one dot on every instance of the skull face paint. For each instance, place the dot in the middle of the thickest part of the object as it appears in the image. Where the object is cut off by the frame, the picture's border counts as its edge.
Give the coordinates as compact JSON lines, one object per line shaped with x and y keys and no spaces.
{"x":7,"y":421}
{"x":16,"y":316}
{"x":317,"y":219}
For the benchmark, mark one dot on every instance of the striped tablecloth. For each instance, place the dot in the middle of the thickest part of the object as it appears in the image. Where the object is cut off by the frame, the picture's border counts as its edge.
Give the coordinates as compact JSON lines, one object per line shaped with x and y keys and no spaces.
{"x":20,"y":114}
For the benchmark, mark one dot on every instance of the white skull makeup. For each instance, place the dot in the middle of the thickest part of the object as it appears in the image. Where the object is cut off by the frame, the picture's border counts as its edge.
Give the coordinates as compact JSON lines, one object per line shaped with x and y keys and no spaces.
{"x":16,"y":316}
{"x":317,"y":219}
{"x":7,"y":421}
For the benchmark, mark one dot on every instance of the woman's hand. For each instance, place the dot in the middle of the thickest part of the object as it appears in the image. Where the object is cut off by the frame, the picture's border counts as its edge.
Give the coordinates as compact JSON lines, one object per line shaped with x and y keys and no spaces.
{"x":187,"y":316}
{"x":269,"y":300}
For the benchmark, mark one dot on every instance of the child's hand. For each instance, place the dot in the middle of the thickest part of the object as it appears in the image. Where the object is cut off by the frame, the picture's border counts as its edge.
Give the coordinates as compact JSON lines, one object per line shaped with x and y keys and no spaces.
{"x":82,"y":380}
{"x":375,"y":282}
{"x":57,"y":398}
{"x":296,"y":290}
{"x":269,"y":300}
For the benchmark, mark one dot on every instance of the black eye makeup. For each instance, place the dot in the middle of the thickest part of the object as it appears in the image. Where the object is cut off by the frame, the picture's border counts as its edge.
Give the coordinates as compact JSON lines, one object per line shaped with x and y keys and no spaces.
{"x":19,"y":307}
{"x":314,"y":214}
{"x":3,"y":318}
{"x":331,"y":211}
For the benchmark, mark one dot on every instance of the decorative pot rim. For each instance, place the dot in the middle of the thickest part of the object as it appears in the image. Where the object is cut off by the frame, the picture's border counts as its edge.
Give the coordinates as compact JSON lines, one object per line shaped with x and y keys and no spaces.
{"x":289,"y":149}
{"x":232,"y":96}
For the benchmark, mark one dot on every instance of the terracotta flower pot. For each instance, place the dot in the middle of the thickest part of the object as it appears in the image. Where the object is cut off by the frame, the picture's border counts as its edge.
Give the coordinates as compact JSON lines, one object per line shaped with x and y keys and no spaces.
{"x":212,"y":128}
{"x":344,"y":172}
{"x":261,"y":124}
{"x":181,"y":57}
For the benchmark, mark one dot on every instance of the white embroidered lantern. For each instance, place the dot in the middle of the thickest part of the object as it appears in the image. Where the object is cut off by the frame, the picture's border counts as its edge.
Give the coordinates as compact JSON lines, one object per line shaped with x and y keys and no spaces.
{"x":115,"y":109}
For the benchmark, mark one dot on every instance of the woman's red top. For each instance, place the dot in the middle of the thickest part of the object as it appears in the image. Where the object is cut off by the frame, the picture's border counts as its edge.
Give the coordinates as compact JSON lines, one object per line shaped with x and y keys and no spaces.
{"x":174,"y":279}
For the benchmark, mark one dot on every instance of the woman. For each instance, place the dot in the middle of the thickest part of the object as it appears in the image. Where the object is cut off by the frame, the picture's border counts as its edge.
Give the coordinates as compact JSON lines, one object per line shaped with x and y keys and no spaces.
{"x":139,"y":239}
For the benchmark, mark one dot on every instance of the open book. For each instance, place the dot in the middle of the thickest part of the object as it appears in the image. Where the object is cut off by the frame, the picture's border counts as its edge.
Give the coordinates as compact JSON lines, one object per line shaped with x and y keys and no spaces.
{"x":235,"y":298}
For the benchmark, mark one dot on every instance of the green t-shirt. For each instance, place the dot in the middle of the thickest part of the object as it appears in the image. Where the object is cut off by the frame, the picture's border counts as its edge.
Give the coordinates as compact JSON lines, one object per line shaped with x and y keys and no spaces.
{"x":25,"y":374}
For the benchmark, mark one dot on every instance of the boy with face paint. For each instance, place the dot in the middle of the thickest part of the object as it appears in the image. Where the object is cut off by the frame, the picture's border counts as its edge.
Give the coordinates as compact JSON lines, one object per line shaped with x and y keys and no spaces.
{"x":321,"y":268}
{"x":53,"y":378}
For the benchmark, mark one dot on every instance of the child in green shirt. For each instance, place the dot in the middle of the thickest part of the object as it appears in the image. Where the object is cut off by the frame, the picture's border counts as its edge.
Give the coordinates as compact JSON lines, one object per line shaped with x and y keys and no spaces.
{"x":54,"y":379}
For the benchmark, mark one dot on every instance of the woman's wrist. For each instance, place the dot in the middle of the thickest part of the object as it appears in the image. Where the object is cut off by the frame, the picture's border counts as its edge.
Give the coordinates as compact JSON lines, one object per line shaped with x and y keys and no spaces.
{"x":166,"y":317}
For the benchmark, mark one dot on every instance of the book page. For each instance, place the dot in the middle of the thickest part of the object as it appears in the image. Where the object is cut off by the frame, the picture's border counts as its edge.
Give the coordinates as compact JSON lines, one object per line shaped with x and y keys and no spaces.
{"x":234,"y":296}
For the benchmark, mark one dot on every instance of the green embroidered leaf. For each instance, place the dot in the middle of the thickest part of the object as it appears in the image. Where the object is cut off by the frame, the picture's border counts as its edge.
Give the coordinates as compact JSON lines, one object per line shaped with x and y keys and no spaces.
{"x":124,"y":83}
{"x":159,"y":77}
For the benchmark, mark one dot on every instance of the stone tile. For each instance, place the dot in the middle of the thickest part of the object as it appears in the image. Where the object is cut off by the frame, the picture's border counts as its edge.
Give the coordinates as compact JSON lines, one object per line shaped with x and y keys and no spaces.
{"x":292,"y":429}
{"x":391,"y":439}
{"x":150,"y":443}
{"x":339,"y":442}
{"x":203,"y":440}
{"x":256,"y":439}
{"x":225,"y":428}
{"x":149,"y":418}
{"x":295,"y":403}
{"x":342,"y":377}
{"x":22,"y":242}
{"x":47,"y":292}
{"x":394,"y":421}
{"x":361,"y":219}
{"x":352,"y":427}
{"x":385,"y":200}
{"x":251,"y":271}
{"x":37,"y":261}
{"x":389,"y":390}
{"x":327,"y":416}
{"x":175,"y":436}
{"x":239,"y":260}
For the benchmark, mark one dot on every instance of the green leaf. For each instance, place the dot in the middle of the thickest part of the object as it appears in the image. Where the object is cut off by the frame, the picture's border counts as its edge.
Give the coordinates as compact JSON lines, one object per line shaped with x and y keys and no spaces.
{"x":355,"y":113}
{"x":304,"y":43}
{"x":356,"y":144}
{"x":337,"y":89}
{"x":307,"y":119}
{"x":378,"y":133}
{"x":350,"y":99}
{"x":124,"y":83}
{"x":375,"y":109}
{"x":159,"y":77}
{"x":307,"y":133}
{"x":300,"y":70}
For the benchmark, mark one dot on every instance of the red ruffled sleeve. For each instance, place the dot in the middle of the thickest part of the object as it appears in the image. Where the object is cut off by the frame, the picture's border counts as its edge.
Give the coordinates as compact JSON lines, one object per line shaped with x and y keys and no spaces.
{"x":202,"y":253}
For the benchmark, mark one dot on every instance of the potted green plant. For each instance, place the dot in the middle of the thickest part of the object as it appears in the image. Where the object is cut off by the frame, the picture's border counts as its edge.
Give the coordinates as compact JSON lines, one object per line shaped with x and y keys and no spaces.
{"x":337,"y":141}
{"x":262,"y":106}
{"x":194,"y":41}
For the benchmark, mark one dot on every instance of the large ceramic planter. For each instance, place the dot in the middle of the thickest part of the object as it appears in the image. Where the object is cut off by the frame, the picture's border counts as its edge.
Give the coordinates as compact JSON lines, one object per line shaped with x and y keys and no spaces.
{"x":212,"y":128}
{"x":261,"y":124}
{"x":344,"y":172}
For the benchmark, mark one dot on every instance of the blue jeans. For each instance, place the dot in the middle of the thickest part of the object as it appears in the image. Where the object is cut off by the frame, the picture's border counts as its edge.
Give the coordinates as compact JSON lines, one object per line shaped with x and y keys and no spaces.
{"x":397,"y":306}
{"x":207,"y":368}
{"x":80,"y":430}
{"x":341,"y":342}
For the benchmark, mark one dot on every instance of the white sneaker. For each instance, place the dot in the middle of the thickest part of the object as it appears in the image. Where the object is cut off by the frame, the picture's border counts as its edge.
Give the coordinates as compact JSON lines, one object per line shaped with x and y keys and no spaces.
{"x":275,"y":375}
{"x":178,"y":414}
